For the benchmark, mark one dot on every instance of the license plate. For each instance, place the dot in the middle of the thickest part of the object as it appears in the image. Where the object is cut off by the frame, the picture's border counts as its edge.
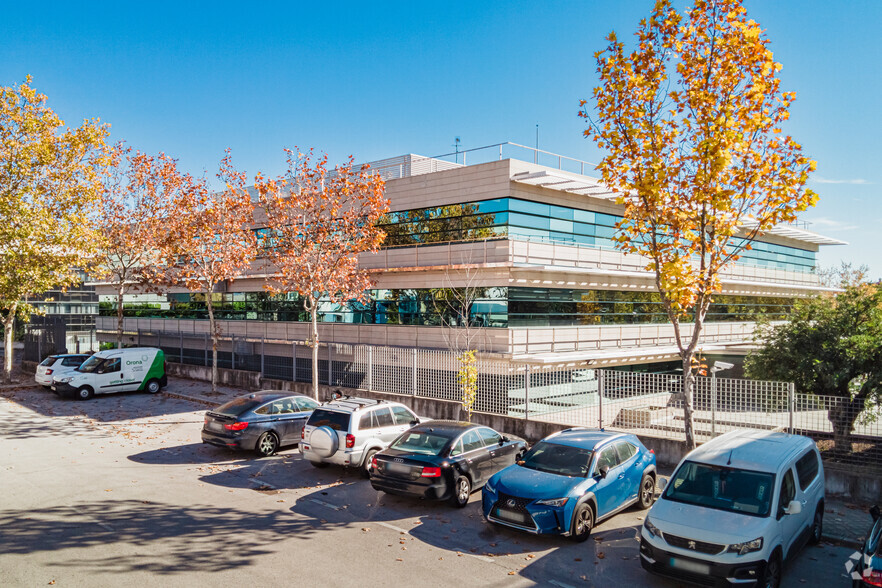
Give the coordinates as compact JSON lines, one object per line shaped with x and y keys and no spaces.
{"x":215,"y":426}
{"x":397,"y":468}
{"x":515,"y":517}
{"x":690,"y":566}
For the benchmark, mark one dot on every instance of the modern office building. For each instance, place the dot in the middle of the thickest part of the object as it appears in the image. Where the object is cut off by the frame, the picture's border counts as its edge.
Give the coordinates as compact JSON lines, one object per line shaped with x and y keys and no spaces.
{"x":510,"y":256}
{"x":66,"y":319}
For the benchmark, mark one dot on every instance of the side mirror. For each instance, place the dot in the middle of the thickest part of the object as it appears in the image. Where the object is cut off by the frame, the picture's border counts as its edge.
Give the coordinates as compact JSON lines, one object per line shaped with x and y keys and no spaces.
{"x":604,"y":470}
{"x":874,"y":512}
{"x":662,"y":483}
{"x":503,"y":440}
{"x":794,"y":508}
{"x":414,"y":422}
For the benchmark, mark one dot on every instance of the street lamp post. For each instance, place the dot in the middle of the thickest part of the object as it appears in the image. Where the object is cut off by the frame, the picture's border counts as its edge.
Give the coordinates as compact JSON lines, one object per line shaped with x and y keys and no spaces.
{"x":717,"y":367}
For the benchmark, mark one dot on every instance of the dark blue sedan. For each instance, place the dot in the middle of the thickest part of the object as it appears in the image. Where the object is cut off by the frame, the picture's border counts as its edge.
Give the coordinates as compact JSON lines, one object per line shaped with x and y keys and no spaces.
{"x":570,"y":481}
{"x":262,"y":422}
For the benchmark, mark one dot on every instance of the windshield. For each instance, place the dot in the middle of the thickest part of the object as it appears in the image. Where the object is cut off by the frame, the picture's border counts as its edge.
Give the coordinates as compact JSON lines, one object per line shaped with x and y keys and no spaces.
{"x":328,"y":418}
{"x":420,"y":443}
{"x":722,"y":488}
{"x":90,"y":364}
{"x":554,"y":458}
{"x":240,"y":405}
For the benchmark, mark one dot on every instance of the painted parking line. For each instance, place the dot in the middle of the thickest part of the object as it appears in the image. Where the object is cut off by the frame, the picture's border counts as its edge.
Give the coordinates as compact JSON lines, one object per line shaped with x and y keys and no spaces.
{"x":325,"y":504}
{"x":393,"y":527}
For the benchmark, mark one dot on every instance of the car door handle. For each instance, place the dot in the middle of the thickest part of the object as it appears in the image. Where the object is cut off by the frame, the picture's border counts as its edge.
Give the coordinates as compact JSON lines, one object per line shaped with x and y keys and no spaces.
{"x":621,"y":476}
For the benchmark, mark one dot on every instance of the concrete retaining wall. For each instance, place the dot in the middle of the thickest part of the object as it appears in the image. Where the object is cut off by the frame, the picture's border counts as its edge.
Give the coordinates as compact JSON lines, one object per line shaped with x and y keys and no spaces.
{"x":840,"y":481}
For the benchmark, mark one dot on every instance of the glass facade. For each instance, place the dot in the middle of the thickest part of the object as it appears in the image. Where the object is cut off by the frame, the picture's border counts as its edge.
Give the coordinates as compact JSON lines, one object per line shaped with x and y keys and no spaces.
{"x":524,"y":219}
{"x":478,"y":307}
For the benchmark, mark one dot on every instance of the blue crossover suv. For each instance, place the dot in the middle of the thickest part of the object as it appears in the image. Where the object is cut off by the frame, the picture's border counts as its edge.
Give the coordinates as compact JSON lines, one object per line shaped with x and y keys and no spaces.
{"x":571,"y":480}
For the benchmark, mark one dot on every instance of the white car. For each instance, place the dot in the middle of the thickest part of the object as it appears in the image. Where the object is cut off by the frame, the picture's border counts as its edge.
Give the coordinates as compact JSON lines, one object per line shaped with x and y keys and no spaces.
{"x":735,"y":510}
{"x":115,"y":370}
{"x":55,"y":365}
{"x":349,"y":431}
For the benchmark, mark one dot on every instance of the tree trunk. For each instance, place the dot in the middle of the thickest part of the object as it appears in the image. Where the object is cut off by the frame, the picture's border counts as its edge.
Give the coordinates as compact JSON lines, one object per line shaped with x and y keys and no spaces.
{"x":311,"y":305}
{"x":214,"y":333}
{"x":119,"y":316}
{"x":8,"y":324}
{"x":842,"y":416}
{"x":688,"y":404}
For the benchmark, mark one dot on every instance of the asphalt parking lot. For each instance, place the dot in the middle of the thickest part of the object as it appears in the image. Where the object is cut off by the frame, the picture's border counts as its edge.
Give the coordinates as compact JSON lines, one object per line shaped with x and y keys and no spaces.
{"x":119,"y":490}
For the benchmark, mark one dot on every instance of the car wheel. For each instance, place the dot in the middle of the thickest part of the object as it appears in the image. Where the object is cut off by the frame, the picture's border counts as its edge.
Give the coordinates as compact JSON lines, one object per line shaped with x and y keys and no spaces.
{"x":462,"y":489}
{"x":773,"y":572}
{"x":366,"y":465}
{"x":583,"y":520}
{"x":817,"y":526}
{"x":45,"y":387}
{"x":647,"y":491}
{"x":318,"y":464}
{"x":85,"y":393}
{"x":267,"y":444}
{"x":153,"y":386}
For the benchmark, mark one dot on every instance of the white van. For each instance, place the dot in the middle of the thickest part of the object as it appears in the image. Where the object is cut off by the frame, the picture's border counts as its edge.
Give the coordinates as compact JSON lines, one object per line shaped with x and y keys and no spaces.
{"x":115,"y":370}
{"x":736,"y":509}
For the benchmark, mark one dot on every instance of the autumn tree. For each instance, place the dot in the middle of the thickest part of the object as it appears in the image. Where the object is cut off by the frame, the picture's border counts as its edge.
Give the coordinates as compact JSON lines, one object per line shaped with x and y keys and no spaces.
{"x":208,"y":240}
{"x":49,"y":187}
{"x":138,"y":192}
{"x":318,"y":222}
{"x":691,"y":123}
{"x":830,"y":346}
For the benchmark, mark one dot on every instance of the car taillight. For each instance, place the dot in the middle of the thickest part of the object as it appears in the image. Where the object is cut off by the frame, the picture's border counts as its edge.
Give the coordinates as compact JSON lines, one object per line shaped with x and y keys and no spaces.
{"x":874,"y":578}
{"x":302,"y":433}
{"x":236,"y":426}
{"x":431,"y":473}
{"x":48,"y":372}
{"x":374,"y":462}
{"x":206,"y":420}
{"x":350,"y":441}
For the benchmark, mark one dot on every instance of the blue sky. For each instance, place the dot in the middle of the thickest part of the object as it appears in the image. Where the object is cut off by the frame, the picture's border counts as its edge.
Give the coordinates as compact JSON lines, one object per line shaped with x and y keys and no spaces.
{"x":381,"y":79}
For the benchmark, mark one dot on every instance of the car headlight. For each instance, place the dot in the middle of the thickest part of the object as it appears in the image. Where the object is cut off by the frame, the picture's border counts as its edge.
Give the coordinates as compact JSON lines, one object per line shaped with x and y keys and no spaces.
{"x":746,"y":547}
{"x":489,"y":487}
{"x":63,"y":380}
{"x":553,"y":501}
{"x":650,"y":528}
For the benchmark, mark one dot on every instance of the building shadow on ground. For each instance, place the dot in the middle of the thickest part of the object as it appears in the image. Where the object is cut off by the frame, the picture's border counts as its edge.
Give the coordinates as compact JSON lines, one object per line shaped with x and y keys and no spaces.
{"x":151,"y":537}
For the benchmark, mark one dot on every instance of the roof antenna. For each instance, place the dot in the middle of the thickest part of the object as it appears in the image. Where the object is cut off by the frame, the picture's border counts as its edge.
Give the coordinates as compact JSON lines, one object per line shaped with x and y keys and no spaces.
{"x":457,"y":142}
{"x":730,"y":457}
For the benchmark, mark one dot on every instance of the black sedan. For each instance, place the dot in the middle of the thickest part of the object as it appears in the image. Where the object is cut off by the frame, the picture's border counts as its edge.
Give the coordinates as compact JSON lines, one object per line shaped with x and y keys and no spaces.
{"x":262,"y":422}
{"x":443,"y":460}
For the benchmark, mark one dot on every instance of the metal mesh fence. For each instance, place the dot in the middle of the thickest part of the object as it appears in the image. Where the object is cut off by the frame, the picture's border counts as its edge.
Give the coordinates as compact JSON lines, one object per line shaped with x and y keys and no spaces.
{"x":643,"y":403}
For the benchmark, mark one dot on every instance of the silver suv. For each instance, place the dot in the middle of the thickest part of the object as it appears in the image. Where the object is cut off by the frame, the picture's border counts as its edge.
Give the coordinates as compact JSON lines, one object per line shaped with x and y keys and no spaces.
{"x":349,"y":431}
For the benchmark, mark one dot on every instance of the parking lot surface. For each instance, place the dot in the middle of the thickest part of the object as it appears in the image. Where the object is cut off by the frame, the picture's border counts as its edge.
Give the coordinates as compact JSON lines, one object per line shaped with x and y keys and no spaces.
{"x":119,"y":490}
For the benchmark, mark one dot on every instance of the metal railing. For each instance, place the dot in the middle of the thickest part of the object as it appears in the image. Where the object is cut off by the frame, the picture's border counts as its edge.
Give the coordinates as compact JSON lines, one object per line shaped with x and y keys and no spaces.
{"x":642,"y":403}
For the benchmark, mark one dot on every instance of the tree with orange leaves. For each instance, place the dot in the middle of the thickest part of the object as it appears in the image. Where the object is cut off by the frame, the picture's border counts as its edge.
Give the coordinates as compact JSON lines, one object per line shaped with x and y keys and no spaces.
{"x":135,"y":208}
{"x":691,"y":122}
{"x":208,"y":241}
{"x":319,"y":221}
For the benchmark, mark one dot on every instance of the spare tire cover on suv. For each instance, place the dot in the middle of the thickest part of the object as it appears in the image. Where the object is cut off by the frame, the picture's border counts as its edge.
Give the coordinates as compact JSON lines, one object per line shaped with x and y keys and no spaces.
{"x":324,"y":441}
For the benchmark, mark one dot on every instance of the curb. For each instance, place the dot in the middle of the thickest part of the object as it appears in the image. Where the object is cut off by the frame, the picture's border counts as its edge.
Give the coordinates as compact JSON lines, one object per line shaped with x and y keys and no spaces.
{"x":842,"y":541}
{"x":196,"y":399}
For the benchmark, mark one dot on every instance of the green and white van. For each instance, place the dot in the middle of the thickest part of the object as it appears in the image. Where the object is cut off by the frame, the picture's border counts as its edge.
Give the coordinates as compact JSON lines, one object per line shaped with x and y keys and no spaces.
{"x":133,"y":369}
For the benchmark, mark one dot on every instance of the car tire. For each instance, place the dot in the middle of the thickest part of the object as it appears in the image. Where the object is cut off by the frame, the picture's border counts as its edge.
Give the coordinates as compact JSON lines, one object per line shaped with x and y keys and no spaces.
{"x":45,"y":387}
{"x":153,"y":386}
{"x":366,"y":464}
{"x":85,"y":393}
{"x":772,"y":576}
{"x":646,"y":492}
{"x":318,"y":464}
{"x":817,"y":526}
{"x":267,"y":444}
{"x":583,"y":521}
{"x":462,"y":490}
